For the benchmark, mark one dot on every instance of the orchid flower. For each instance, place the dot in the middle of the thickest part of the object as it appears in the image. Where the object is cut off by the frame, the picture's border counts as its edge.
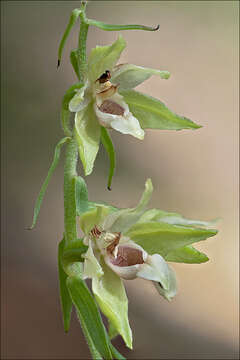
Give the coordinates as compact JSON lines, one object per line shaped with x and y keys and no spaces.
{"x":106,"y":99}
{"x":135,"y":243}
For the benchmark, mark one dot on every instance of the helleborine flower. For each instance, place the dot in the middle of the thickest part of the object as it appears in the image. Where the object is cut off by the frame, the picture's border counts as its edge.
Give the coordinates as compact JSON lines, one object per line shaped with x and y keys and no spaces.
{"x":106,"y":99}
{"x":135,"y":243}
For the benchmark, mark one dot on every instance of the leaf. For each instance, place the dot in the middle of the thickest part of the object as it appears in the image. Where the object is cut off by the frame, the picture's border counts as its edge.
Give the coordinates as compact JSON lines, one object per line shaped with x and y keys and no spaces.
{"x":108,"y":145}
{"x":186,"y":254}
{"x":163,"y":238}
{"x":103,"y":58}
{"x":113,"y":27}
{"x":153,"y":114}
{"x":73,"y":18}
{"x":123,"y":219}
{"x":116,"y":354}
{"x":129,"y":76}
{"x":111,"y":297}
{"x":87,"y":131}
{"x":46,"y":181}
{"x":74,"y":61}
{"x":66,"y":302}
{"x":89,"y":315}
{"x":81,"y":195}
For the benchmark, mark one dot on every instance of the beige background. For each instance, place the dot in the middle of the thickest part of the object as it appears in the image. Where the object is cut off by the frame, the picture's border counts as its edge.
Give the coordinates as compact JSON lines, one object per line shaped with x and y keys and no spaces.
{"x":193,"y":172}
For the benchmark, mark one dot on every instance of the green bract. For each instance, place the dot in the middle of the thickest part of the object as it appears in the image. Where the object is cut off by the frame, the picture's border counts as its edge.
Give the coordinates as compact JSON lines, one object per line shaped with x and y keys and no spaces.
{"x":135,"y":242}
{"x":107,"y":99}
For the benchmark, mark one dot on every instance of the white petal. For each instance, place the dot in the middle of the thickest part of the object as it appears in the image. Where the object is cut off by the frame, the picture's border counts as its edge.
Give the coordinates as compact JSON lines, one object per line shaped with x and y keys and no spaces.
{"x":126,"y":123}
{"x":155,"y":269}
{"x":172,"y":291}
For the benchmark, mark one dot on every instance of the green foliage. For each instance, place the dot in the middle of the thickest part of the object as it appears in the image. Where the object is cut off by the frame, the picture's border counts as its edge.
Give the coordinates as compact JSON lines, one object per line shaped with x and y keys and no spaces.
{"x":113,"y":27}
{"x":46,"y":181}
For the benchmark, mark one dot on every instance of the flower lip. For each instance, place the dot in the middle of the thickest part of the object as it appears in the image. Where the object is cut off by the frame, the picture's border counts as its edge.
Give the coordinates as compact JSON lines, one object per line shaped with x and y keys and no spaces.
{"x":111,"y":107}
{"x":127,"y":256}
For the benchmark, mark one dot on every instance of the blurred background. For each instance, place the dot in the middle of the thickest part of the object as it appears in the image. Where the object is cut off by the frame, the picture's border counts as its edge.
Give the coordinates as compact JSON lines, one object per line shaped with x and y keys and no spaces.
{"x":194,"y":173}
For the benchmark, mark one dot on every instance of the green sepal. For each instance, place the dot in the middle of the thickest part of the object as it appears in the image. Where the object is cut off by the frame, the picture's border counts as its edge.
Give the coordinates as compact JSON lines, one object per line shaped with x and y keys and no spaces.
{"x":46,"y":181}
{"x":128,"y":76}
{"x":74,"y":61}
{"x":66,"y":301}
{"x":108,"y":145}
{"x":103,"y":58}
{"x":87,"y":133}
{"x":153,"y":114}
{"x":173,"y":219}
{"x":187,"y":254}
{"x":65,"y":112}
{"x":94,"y":216}
{"x":81,"y":196}
{"x":89,"y":315}
{"x":110,"y":294}
{"x":161,"y":238}
{"x":111,"y":27}
{"x":73,"y":18}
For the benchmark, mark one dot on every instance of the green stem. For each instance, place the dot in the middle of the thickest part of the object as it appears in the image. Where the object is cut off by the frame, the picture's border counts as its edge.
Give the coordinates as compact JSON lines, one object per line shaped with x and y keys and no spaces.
{"x":70,"y":172}
{"x":69,"y":192}
{"x":82,"y":58}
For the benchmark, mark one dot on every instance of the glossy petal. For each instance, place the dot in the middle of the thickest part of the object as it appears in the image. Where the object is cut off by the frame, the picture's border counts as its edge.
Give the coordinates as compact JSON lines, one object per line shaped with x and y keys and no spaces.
{"x":155,"y":269}
{"x":172,"y":291}
{"x":122,"y":220}
{"x":111,"y":297}
{"x":128,"y":76}
{"x":187,"y":254}
{"x":103,"y":58}
{"x":78,"y":102}
{"x":94,"y":216}
{"x":87,"y":131}
{"x":125,"y":123}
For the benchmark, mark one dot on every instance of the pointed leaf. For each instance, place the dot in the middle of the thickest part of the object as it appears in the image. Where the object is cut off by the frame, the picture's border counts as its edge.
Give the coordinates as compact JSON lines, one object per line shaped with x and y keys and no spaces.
{"x":163,"y":238}
{"x":116,"y":354}
{"x":73,"y":18}
{"x":87,"y":131}
{"x":186,"y":254}
{"x":112,"y":27}
{"x":103,"y":58}
{"x":46,"y":181}
{"x":81,"y":194}
{"x":108,"y":145}
{"x":66,"y":302}
{"x":89,"y":315}
{"x":129,"y":76}
{"x":153,"y":114}
{"x":111,"y":297}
